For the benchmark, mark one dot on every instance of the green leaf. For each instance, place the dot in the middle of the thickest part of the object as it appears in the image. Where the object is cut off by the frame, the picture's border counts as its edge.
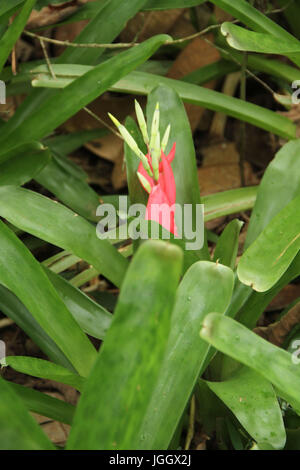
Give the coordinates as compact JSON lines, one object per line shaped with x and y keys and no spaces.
{"x":256,"y":304}
{"x":7,"y":5}
{"x":252,"y":400}
{"x":244,"y":40}
{"x":273,"y":363}
{"x":43,"y":369}
{"x":128,"y":372}
{"x":266,"y":260}
{"x":43,"y":404}
{"x":279,"y":186}
{"x":64,"y":144}
{"x":205,"y":286}
{"x":256,"y":20}
{"x":11,"y":36}
{"x":252,"y":17}
{"x":229,"y":202}
{"x":72,"y":191}
{"x":136,"y":192}
{"x":142,"y":83}
{"x":227,"y":245}
{"x":41,"y":217}
{"x":11,"y":306}
{"x":22,"y":274}
{"x":18,"y":430}
{"x":94,"y":319}
{"x":27,"y":162}
{"x":104,"y":27}
{"x":85,"y":89}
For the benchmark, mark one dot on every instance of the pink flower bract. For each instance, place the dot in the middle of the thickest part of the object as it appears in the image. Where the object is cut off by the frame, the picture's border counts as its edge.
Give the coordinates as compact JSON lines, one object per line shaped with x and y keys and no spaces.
{"x":162,"y":198}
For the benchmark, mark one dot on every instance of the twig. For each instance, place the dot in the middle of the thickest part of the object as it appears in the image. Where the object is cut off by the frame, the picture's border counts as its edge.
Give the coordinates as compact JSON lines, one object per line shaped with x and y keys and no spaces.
{"x":251,"y":74}
{"x":47,"y":59}
{"x":191,"y":429}
{"x":87,"y":110}
{"x":76,"y":44}
{"x":121,"y":45}
{"x":13,"y":54}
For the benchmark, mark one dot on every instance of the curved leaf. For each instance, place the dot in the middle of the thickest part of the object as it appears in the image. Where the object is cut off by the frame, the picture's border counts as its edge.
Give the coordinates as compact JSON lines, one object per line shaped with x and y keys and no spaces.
{"x":252,"y":399}
{"x":18,"y":430}
{"x":205,"y":286}
{"x":244,"y":40}
{"x":22,"y":274}
{"x":44,"y":404}
{"x":266,"y":260}
{"x":77,"y":95}
{"x":227,"y":244}
{"x":43,"y":369}
{"x":42,"y":217}
{"x":28,"y":161}
{"x":273,"y":363}
{"x":130,"y":358}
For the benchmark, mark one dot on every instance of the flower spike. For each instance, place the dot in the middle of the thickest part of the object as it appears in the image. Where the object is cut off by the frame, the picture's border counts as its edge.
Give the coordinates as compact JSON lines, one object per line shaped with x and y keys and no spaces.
{"x":131,"y":143}
{"x":165,"y":139}
{"x":144,"y":182}
{"x":142,"y":122}
{"x":155,"y":149}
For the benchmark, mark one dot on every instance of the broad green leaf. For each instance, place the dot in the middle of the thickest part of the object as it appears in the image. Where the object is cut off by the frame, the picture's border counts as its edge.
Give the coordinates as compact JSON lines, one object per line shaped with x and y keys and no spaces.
{"x":43,"y":369}
{"x":23,"y":275}
{"x":136,"y":192}
{"x":252,"y":400}
{"x":279,"y":186}
{"x":143,"y":83}
{"x":273,"y":363}
{"x":184,"y":164}
{"x":28,"y":161}
{"x":128,"y":373}
{"x":205,"y":286}
{"x":229,"y":202}
{"x":266,"y":260}
{"x":13,"y":308}
{"x":41,"y":217}
{"x":210,"y":72}
{"x":252,"y":17}
{"x":94,"y":319}
{"x":244,"y":40}
{"x":256,"y":304}
{"x":43,"y":404}
{"x":227,"y":245}
{"x":256,"y":20}
{"x":18,"y":430}
{"x":12,"y":34}
{"x":104,"y":27}
{"x":64,"y":144}
{"x":72,"y":191}
{"x":86,"y":88}
{"x":7,"y":5}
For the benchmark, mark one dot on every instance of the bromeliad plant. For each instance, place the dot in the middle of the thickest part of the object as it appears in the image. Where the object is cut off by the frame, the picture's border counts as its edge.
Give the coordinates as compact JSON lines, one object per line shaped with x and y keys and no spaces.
{"x":181,"y":326}
{"x":154,"y":171}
